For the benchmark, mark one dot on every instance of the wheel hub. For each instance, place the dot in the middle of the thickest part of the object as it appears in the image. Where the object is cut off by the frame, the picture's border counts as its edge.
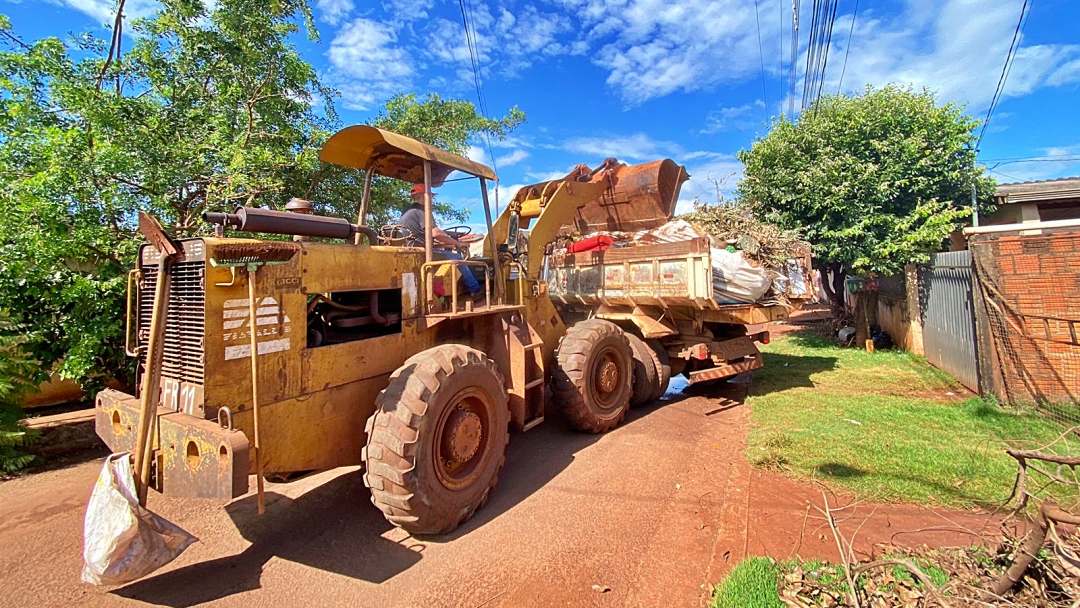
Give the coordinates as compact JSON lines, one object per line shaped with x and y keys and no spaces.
{"x":609,"y":375}
{"x":463,"y":435}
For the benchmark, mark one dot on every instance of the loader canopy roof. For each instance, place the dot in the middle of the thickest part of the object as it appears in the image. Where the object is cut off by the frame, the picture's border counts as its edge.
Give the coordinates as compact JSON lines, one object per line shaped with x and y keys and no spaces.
{"x":393,"y":155}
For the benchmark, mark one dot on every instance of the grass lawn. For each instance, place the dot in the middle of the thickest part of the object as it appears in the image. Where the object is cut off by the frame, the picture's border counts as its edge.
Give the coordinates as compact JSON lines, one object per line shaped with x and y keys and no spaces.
{"x":751,"y":584}
{"x":883,"y":425}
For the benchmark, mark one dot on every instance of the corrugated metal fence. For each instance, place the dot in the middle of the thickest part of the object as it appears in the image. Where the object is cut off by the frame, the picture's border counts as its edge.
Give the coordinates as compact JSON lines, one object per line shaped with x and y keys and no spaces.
{"x":948,"y":316}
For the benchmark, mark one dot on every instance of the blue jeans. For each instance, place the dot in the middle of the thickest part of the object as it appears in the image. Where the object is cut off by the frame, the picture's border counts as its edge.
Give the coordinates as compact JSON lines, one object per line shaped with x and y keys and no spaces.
{"x":467,"y":276}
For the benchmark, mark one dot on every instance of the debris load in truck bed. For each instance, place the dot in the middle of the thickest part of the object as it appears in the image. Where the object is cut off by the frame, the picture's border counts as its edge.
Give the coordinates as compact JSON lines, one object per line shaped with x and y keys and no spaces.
{"x":762,"y":243}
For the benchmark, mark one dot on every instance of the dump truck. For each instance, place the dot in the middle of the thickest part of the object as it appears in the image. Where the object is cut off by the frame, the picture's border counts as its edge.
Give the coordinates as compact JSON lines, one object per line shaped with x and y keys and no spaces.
{"x":276,"y":358}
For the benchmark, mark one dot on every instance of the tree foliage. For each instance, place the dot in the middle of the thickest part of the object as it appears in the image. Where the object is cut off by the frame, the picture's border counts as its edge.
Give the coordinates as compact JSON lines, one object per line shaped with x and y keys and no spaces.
{"x":18,"y":374}
{"x":875,"y":180}
{"x":203,"y":110}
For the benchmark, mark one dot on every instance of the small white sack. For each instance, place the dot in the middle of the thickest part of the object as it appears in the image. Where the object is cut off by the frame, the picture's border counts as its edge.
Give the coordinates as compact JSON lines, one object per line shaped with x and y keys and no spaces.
{"x":123,"y":541}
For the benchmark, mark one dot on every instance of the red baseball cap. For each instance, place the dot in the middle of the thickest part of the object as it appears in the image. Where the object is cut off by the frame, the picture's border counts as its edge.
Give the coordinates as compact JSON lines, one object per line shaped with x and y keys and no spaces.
{"x":419,"y":189}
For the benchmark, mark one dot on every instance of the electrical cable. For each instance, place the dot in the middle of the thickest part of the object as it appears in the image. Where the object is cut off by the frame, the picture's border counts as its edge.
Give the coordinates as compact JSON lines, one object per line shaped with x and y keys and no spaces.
{"x":794,"y":53}
{"x":847,"y":51}
{"x":761,"y":56}
{"x":481,"y":100}
{"x":825,"y":52}
{"x":1005,"y":69}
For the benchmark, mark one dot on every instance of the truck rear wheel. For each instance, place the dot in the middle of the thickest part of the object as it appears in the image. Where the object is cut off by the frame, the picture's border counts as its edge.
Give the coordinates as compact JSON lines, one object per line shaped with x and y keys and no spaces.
{"x":646,"y":371}
{"x":663,"y":368}
{"x":437,"y":441}
{"x":593,"y":376}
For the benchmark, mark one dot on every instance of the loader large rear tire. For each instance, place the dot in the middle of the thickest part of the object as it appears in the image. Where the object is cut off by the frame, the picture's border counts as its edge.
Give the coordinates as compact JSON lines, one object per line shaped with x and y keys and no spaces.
{"x":437,"y":441}
{"x":593,"y":376}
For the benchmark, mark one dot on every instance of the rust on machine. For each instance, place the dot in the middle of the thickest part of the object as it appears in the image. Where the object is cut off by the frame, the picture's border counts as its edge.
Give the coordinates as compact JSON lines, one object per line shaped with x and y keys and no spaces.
{"x":636,"y":197}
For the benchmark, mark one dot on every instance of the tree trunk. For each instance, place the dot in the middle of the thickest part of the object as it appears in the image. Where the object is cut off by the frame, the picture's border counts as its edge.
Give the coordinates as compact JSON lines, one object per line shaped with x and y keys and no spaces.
{"x":865,"y":316}
{"x":832,"y":283}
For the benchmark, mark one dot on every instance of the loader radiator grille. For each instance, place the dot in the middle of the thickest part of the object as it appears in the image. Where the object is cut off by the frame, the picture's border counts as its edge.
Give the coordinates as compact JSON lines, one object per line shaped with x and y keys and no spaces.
{"x":186,"y":322}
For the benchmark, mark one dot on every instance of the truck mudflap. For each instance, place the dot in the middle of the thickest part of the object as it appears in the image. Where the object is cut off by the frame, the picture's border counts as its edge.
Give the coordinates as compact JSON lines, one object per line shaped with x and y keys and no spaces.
{"x":731,"y":357}
{"x":193,"y":457}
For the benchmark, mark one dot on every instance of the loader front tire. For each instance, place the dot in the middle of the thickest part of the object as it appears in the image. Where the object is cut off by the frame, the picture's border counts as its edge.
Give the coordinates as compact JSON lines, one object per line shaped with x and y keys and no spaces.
{"x":437,"y":440}
{"x":593,"y":376}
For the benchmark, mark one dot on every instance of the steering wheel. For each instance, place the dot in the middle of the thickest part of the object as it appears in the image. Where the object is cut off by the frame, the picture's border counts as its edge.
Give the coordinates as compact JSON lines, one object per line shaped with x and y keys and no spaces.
{"x":456,"y":232}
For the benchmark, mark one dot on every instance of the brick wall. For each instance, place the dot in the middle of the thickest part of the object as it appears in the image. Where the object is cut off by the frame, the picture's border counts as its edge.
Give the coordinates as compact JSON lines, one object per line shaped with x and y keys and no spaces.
{"x":1031,"y":283}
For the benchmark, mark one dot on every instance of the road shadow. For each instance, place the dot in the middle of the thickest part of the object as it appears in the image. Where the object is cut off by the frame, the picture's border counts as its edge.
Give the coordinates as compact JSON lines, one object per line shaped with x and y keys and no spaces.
{"x":333,"y":527}
{"x":783,"y":371}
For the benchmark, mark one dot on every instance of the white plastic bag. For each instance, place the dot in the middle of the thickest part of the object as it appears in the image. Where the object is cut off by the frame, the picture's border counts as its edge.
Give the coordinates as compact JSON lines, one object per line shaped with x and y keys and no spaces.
{"x":123,"y":541}
{"x":735,"y":280}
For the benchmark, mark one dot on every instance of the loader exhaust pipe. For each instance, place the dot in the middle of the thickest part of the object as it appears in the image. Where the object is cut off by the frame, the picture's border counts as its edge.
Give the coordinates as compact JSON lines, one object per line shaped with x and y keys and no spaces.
{"x":252,"y":219}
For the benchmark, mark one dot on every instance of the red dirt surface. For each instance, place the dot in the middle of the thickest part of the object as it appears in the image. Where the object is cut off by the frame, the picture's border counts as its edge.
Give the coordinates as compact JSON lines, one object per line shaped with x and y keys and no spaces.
{"x":645,"y":515}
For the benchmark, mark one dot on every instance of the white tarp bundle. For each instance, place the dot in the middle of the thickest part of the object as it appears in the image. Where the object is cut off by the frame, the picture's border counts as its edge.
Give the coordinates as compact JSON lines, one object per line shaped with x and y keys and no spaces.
{"x":736,"y":281}
{"x":124,"y":541}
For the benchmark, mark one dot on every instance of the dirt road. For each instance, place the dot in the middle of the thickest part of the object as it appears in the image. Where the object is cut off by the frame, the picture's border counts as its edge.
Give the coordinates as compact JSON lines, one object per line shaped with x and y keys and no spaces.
{"x":634,"y":512}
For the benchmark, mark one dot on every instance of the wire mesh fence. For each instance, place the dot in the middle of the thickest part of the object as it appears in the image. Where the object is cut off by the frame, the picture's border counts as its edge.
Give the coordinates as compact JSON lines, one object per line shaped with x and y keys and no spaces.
{"x":1030,"y":285}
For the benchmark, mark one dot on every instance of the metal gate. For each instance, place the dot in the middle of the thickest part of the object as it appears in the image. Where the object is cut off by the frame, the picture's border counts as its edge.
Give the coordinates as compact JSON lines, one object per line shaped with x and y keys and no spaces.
{"x":948,"y":316}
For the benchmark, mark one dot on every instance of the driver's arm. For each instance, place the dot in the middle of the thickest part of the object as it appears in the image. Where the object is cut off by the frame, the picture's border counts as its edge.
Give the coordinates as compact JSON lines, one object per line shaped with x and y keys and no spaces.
{"x":442,"y":238}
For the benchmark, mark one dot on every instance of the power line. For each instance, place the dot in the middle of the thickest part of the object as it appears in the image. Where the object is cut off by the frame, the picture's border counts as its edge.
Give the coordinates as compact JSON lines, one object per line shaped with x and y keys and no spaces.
{"x":1005,"y":69}
{"x":828,"y":45}
{"x":811,"y":51}
{"x":481,"y":100}
{"x":823,"y":17}
{"x":761,"y":56}
{"x":794,"y":52}
{"x":780,"y":59}
{"x":1045,"y":157}
{"x":1063,"y":159}
{"x":847,"y":51}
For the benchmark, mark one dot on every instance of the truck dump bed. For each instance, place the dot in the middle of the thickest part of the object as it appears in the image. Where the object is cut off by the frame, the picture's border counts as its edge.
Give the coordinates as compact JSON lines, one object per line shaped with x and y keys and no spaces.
{"x":678,"y":274}
{"x":667,"y":274}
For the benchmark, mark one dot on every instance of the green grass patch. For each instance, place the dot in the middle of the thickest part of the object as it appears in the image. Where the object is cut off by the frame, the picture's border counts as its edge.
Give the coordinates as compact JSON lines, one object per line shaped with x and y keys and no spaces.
{"x":753,"y":583}
{"x":883,"y":426}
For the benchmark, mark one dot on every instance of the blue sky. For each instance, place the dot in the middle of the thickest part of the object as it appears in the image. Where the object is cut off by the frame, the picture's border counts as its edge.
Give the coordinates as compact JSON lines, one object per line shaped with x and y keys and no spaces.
{"x":648,"y":79}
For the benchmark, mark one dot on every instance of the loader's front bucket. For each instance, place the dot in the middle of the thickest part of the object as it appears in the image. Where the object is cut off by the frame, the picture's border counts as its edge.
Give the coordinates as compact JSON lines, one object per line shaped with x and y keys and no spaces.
{"x":638,"y":197}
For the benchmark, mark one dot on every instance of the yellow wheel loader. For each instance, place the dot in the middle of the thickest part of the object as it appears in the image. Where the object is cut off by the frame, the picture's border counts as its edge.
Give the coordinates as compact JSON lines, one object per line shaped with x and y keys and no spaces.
{"x":278,"y":357}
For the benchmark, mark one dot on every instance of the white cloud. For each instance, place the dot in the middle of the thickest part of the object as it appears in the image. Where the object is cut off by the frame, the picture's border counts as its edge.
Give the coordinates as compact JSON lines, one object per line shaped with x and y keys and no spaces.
{"x":513,"y":158}
{"x":504,"y":42}
{"x":104,"y":11}
{"x":954,"y":47}
{"x":477,"y":154}
{"x":652,"y":48}
{"x":408,"y":10}
{"x":746,"y":116}
{"x":367,"y":65}
{"x":335,"y":11}
{"x":546,"y":176}
{"x":505,"y":193}
{"x":635,"y":147}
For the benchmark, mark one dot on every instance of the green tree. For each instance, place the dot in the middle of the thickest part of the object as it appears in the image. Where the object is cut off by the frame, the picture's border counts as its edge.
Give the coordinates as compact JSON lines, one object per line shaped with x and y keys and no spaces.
{"x":18,"y":374}
{"x":876,"y":180}
{"x":201,"y":111}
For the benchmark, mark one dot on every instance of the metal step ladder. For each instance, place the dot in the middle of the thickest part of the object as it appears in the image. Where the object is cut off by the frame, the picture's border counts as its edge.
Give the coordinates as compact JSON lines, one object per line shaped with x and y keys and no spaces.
{"x":527,"y":394}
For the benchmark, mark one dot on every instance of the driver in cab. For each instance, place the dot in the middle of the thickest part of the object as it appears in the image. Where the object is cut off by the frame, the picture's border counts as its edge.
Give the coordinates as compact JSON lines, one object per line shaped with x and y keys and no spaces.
{"x":445,"y":246}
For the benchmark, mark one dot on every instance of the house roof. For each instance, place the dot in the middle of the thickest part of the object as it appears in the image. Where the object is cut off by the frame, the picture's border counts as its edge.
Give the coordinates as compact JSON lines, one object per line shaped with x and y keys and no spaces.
{"x":1039,"y":191}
